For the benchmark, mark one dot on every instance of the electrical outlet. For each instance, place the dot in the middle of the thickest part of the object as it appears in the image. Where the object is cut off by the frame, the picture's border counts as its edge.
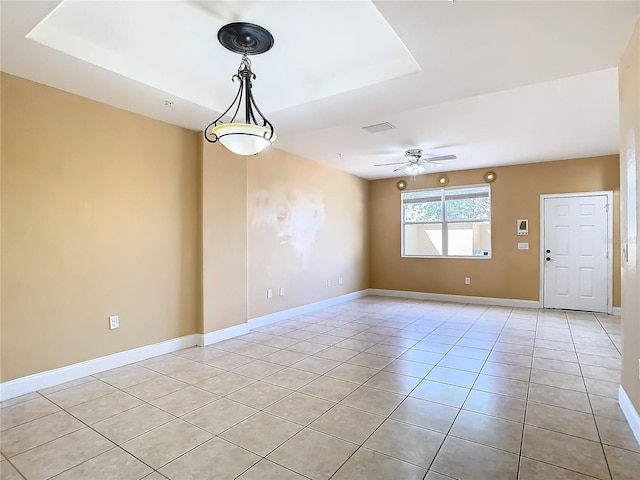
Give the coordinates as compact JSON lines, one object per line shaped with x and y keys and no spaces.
{"x":282,"y":291}
{"x":467,"y":280}
{"x":329,"y":283}
{"x":339,"y":280}
{"x":114,"y":322}
{"x":269,"y":293}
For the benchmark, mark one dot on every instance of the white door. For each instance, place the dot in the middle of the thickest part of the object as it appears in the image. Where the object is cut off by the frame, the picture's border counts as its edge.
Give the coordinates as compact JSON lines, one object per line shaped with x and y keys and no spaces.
{"x":575,"y":253}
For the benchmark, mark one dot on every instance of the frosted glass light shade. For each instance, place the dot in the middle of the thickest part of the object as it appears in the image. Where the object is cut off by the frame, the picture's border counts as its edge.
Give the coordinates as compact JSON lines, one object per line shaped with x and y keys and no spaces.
{"x":414,"y":169}
{"x":243,"y":138}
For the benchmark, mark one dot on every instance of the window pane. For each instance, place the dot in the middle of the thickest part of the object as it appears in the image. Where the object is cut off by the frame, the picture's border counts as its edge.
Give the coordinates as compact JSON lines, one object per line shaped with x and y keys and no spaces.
{"x":447,"y":222}
{"x":467,"y":192}
{"x":423,"y":240}
{"x":478,"y":208}
{"x":423,"y":212}
{"x":417,"y":196}
{"x":422,"y":205}
{"x":469,"y":239}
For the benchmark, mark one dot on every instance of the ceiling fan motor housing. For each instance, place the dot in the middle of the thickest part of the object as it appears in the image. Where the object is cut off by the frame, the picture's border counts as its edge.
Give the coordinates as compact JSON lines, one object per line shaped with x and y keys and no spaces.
{"x":414,"y":152}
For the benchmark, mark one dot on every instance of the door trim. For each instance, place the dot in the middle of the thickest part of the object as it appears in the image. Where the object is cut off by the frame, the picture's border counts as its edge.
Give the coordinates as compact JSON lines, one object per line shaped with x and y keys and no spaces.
{"x":609,"y":195}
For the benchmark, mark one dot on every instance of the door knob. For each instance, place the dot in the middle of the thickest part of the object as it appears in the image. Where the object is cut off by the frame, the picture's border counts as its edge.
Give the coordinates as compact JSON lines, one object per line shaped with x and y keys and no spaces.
{"x":548,"y":258}
{"x":548,"y":251}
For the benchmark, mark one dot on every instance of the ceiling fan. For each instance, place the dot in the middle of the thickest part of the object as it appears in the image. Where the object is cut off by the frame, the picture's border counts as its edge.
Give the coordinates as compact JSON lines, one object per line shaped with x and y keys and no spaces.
{"x":414,"y":163}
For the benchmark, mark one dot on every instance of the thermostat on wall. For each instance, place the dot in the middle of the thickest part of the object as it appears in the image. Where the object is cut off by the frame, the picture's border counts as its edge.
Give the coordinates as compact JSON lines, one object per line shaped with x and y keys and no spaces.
{"x":523,"y":226}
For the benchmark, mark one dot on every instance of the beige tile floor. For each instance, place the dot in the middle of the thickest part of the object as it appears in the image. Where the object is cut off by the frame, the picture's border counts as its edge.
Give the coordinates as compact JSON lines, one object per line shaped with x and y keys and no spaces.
{"x":375,"y":388}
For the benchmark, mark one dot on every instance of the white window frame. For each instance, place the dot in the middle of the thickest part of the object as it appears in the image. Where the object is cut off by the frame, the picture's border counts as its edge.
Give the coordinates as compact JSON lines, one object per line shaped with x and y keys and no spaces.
{"x":444,"y":222}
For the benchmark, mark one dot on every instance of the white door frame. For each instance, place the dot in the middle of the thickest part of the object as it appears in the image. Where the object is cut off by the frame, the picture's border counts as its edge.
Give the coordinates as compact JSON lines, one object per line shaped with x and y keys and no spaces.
{"x":609,"y":195}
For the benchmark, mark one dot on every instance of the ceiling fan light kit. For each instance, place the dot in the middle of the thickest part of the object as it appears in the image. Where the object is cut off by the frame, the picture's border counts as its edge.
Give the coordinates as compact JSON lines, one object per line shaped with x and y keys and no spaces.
{"x":415,"y":164}
{"x":256,"y":133}
{"x":414,"y":169}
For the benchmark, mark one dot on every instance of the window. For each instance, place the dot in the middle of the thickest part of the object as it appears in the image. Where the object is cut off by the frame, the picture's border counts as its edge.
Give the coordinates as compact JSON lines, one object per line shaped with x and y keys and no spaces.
{"x":447,"y":222}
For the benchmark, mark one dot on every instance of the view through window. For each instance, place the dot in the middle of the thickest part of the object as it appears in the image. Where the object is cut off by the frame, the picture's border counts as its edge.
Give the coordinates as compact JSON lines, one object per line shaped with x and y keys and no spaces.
{"x":447,"y":222}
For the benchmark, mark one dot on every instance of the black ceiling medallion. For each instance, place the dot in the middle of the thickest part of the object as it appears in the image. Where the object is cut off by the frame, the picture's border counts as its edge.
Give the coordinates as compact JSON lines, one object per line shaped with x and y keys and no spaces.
{"x":242,"y":37}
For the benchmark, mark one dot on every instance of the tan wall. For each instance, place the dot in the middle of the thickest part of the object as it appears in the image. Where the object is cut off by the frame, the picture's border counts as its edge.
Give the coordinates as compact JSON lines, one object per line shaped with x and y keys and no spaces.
{"x":99,"y":218}
{"x":224,"y":226}
{"x":307,"y":224}
{"x":510,"y":273}
{"x":629,"y":79}
{"x":105,"y":212}
{"x":1,"y":83}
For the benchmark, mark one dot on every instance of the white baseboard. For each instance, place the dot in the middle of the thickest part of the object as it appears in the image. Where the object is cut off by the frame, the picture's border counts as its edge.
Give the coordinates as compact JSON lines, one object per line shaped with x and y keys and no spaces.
{"x":443,"y":297}
{"x":292,"y":312}
{"x":633,"y":418}
{"x":50,"y":378}
{"x":616,"y":311}
{"x":224,"y":334}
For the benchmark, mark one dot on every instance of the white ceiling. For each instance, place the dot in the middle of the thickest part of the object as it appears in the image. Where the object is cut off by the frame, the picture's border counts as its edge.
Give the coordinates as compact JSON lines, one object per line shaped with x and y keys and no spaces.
{"x":495,"y":83}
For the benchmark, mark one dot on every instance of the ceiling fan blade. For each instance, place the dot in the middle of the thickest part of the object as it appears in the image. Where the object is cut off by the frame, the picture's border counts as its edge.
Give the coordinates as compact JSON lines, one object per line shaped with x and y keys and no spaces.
{"x":399,"y":168}
{"x":441,"y":158}
{"x":385,"y":164}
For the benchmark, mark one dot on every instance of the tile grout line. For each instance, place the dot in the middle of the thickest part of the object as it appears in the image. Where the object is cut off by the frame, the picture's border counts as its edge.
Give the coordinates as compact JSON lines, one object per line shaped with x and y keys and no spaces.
{"x":369,"y":326}
{"x":526,"y":402}
{"x":466,"y":397}
{"x":386,"y":418}
{"x":263,"y":411}
{"x":607,"y":334}
{"x":15,"y":468}
{"x":116,"y":445}
{"x":335,"y":404}
{"x":604,"y":453}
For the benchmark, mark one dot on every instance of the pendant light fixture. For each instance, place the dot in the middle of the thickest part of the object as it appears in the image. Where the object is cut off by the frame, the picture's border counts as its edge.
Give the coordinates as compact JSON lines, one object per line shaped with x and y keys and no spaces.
{"x":256,"y":132}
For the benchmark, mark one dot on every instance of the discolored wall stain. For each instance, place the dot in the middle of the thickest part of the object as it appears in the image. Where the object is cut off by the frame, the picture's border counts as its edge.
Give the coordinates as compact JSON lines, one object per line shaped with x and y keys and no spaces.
{"x":290,"y":214}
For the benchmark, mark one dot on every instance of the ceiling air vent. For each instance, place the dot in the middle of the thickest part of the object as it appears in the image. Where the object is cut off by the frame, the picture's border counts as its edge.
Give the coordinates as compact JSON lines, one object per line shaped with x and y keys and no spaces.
{"x":379,"y":127}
